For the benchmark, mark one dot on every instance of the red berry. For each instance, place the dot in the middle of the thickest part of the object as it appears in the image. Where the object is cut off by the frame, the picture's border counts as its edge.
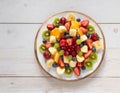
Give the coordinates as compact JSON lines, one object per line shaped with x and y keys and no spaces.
{"x":94,"y":37}
{"x":89,"y":43}
{"x":86,"y":55}
{"x":61,"y":63}
{"x":77,"y":71}
{"x":74,"y":40}
{"x":67,"y":25}
{"x":46,"y":54}
{"x":80,"y":64}
{"x":50,"y":27}
{"x":73,"y":53}
{"x":63,"y":20}
{"x":77,"y":47}
{"x":66,"y":53}
{"x":84,"y":30}
{"x":85,"y":23}
{"x":62,"y":43}
{"x":62,"y":37}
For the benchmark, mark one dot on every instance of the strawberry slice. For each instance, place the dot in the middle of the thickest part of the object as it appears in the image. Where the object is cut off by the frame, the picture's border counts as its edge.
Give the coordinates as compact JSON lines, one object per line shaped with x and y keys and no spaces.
{"x":84,"y":30}
{"x":80,"y":64}
{"x":61,"y":63}
{"x":50,"y":27}
{"x":47,"y":45}
{"x":63,"y":43}
{"x":67,"y":25}
{"x":85,"y":23}
{"x":77,"y":71}
{"x":86,"y":55}
{"x":69,"y":41}
{"x":89,"y":43}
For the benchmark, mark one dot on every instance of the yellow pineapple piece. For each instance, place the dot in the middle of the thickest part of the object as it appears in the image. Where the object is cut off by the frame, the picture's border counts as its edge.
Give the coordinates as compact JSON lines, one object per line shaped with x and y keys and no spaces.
{"x":56,"y":57}
{"x":79,"y":32}
{"x":55,"y":32}
{"x":75,"y":25}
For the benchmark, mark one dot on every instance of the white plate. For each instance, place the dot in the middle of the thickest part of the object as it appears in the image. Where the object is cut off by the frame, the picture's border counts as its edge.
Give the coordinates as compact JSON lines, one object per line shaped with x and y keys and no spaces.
{"x":52,"y":71}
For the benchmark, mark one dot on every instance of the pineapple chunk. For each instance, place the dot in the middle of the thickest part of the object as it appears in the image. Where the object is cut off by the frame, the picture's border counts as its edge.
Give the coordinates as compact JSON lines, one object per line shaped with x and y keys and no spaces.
{"x":65,"y":59}
{"x":62,"y":29}
{"x":56,"y":57}
{"x":83,"y":38}
{"x":52,"y":50}
{"x":49,"y":62}
{"x":72,"y":32}
{"x":80,"y":59}
{"x":84,"y":49}
{"x":60,"y":71}
{"x":97,"y":45}
{"x":52,"y":39}
{"x":72,"y":63}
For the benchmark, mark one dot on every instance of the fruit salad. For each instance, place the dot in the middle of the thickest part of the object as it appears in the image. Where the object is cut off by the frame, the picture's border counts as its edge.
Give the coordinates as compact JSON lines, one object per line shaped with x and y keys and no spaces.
{"x":70,"y":45}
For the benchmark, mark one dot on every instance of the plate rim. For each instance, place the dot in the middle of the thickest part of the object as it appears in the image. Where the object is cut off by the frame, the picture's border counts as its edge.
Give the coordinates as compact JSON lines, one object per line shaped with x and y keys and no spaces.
{"x":72,"y":11}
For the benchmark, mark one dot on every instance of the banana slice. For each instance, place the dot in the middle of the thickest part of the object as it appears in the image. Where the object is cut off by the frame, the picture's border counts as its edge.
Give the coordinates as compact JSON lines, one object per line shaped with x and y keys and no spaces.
{"x":52,"y":50}
{"x":84,"y":49}
{"x":83,"y":38}
{"x":71,"y":17}
{"x":52,"y":39}
{"x":56,"y":57}
{"x":80,"y":59}
{"x":60,"y":71}
{"x":65,"y":59}
{"x":62,"y":29}
{"x":97,"y":45}
{"x":72,"y":32}
{"x":72,"y":63}
{"x":49,"y":62}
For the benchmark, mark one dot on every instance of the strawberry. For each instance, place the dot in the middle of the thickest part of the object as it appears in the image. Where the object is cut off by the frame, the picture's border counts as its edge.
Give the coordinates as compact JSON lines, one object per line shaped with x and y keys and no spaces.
{"x":67,"y":25}
{"x":85,"y":23}
{"x":89,"y":43}
{"x":63,"y":43}
{"x":77,"y":71}
{"x":84,"y":30}
{"x":69,"y":41}
{"x":86,"y":55}
{"x":47,"y":45}
{"x":61,"y":63}
{"x":80,"y":64}
{"x":50,"y":27}
{"x":94,"y":37}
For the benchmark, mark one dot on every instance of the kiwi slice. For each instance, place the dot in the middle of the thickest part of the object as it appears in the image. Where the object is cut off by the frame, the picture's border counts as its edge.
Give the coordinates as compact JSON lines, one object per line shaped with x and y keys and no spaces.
{"x":56,"y":45}
{"x":91,"y":29}
{"x":88,"y":64}
{"x":56,"y":21}
{"x":42,"y":48}
{"x":68,"y":72}
{"x":93,"y":57}
{"x":46,"y":34}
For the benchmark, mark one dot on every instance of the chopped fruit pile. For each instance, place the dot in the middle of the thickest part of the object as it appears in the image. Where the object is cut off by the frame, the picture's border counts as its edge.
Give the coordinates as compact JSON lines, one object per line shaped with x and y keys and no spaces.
{"x":70,"y":45}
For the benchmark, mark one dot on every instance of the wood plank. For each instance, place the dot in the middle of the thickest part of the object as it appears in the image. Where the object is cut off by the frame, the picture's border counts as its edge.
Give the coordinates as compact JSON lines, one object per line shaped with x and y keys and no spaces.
{"x":49,"y":85}
{"x":30,"y":11}
{"x":17,"y":58}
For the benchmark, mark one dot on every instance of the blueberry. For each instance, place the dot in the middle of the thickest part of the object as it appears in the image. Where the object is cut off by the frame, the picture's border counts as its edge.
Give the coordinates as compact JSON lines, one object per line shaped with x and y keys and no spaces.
{"x":93,"y":49}
{"x":52,"y":44}
{"x":78,"y":36}
{"x":57,"y":25}
{"x":54,"y":65}
{"x":88,"y":35}
{"x":78,"y":19}
{"x":67,"y":66}
{"x":58,"y":40}
{"x":58,"y":48}
{"x":44,"y":41}
{"x":66,"y":33}
{"x":74,"y":58}
{"x":61,"y":57}
{"x":81,"y":45}
{"x":83,"y":67}
{"x":67,"y":36}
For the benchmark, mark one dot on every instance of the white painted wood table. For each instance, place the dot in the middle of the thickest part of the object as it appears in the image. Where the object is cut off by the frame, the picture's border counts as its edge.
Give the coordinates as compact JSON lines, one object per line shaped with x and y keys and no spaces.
{"x":19,"y":71}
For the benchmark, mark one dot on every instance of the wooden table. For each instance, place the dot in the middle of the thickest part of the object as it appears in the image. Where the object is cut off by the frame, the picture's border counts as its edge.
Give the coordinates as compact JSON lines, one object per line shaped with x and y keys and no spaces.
{"x":19,"y":71}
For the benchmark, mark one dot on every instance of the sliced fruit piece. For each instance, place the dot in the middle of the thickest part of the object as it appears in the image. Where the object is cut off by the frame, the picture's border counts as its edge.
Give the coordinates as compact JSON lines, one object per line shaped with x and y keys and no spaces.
{"x":49,"y":62}
{"x":88,"y":64}
{"x":63,"y":20}
{"x":42,"y":48}
{"x":72,"y":63}
{"x":60,"y":70}
{"x":75,"y":25}
{"x":94,"y":37}
{"x":91,"y":29}
{"x":68,"y":72}
{"x":80,"y":53}
{"x":69,"y":42}
{"x":52,"y":50}
{"x":48,"y":44}
{"x":55,"y":32}
{"x":83,"y":38}
{"x":56,"y":21}
{"x":62,"y":29}
{"x":80,"y":58}
{"x":61,"y":52}
{"x":80,"y":64}
{"x":71,"y":17}
{"x":84,"y":23}
{"x":56,"y":45}
{"x":84,"y":30}
{"x":69,"y":58}
{"x":56,"y":57}
{"x":46,"y":55}
{"x":46,"y":34}
{"x":78,"y":41}
{"x":61,"y":63}
{"x":68,"y":25}
{"x":77,"y":71}
{"x":52,"y":39}
{"x":72,"y":32}
{"x":50,"y":27}
{"x":97,"y":45}
{"x":89,"y":43}
{"x":84,"y":49}
{"x":66,"y":60}
{"x":93,"y":56}
{"x":63,"y":43}
{"x":79,"y":31}
{"x":86,"y":55}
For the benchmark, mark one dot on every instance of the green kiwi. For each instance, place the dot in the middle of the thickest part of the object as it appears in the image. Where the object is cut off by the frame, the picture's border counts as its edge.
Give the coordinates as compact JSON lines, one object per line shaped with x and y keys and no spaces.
{"x":68,"y":71}
{"x":56,"y":21}
{"x":46,"y":34}
{"x":88,"y":64}
{"x":61,"y":52}
{"x":91,"y":29}
{"x":56,"y":45}
{"x":70,"y":57}
{"x":80,"y":53}
{"x":42,"y":48}
{"x":93,"y":57}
